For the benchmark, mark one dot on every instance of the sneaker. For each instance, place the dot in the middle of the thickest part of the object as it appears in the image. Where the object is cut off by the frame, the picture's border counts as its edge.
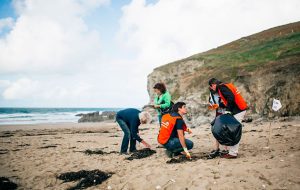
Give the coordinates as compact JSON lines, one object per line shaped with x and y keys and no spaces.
{"x":169,"y":154}
{"x":228,"y":156}
{"x":133,"y":151}
{"x":222,"y":152}
{"x":214,"y":154}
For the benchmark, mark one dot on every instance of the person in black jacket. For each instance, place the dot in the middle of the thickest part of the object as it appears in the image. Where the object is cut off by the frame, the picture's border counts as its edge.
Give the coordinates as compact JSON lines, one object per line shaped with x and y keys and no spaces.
{"x":231,"y":107}
{"x":129,"y":120}
{"x":216,"y":104}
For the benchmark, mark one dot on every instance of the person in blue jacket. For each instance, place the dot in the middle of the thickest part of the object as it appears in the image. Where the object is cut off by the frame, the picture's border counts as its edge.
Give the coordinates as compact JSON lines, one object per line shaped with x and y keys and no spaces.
{"x":129,"y":120}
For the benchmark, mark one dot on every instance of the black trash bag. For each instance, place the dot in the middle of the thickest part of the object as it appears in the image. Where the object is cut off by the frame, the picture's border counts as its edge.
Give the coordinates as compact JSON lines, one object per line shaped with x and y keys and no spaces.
{"x":227,"y":130}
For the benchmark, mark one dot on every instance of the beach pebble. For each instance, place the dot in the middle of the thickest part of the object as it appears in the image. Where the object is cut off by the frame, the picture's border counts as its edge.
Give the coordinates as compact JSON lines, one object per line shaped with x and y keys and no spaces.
{"x":264,"y":186}
{"x":158,"y":187}
{"x":109,"y":187}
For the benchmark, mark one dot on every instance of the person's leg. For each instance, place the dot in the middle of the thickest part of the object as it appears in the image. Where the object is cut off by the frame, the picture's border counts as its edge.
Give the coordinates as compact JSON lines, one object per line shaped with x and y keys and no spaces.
{"x":132,"y":147}
{"x":217,"y":145}
{"x":126,"y":137}
{"x":159,"y":119}
{"x":233,"y":150}
{"x":189,"y":144}
{"x":216,"y":152}
{"x":174,"y":145}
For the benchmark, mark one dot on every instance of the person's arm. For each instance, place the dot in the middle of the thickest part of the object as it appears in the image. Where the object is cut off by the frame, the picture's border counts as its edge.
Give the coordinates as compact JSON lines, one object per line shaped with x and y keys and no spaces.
{"x":134,"y":130}
{"x":135,"y":136}
{"x":145,"y":144}
{"x":228,"y":95}
{"x":182,"y":142}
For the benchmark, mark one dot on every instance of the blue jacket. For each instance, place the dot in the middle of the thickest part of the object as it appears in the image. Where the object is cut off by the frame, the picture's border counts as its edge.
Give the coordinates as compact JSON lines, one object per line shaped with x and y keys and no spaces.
{"x":131,"y":117}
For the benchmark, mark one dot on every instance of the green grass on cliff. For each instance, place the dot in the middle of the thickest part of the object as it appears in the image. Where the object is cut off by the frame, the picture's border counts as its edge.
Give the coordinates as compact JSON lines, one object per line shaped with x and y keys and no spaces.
{"x":254,"y":54}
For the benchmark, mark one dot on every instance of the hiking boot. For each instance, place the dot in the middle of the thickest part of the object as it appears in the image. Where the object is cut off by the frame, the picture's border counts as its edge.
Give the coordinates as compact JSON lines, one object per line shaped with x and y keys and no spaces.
{"x":214,"y":154}
{"x":222,"y":152}
{"x":169,"y":154}
{"x":228,"y":156}
{"x":133,"y":151}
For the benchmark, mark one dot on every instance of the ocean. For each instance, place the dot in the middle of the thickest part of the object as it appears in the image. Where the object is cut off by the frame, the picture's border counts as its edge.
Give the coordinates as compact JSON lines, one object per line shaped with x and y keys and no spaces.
{"x":15,"y":116}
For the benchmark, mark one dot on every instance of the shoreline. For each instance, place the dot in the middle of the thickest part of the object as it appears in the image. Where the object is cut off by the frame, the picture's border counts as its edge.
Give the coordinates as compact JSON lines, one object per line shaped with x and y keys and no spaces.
{"x":58,"y":125}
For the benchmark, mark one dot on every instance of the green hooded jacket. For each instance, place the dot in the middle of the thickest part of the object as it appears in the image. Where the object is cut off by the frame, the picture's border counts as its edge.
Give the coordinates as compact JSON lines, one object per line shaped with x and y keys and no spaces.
{"x":163,"y":100}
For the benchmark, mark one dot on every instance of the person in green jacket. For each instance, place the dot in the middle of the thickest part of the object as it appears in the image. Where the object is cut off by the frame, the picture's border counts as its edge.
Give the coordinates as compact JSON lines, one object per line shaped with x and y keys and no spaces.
{"x":162,"y":100}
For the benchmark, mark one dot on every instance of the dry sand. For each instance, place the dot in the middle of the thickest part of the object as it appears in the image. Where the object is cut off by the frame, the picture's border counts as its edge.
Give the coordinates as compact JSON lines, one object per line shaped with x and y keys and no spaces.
{"x":25,"y":158}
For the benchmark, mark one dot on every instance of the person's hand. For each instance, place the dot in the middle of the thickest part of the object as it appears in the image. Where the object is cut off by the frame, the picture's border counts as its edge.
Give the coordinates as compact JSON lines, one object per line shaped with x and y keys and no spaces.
{"x":146,"y":144}
{"x":187,"y":154}
{"x":156,"y":106}
{"x":213,"y":106}
{"x":189,"y":130}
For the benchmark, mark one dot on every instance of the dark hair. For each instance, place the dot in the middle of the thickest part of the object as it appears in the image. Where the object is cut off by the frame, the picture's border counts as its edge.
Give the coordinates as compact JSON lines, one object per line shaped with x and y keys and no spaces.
{"x":177,"y":106}
{"x":214,"y":81}
{"x":161,"y":87}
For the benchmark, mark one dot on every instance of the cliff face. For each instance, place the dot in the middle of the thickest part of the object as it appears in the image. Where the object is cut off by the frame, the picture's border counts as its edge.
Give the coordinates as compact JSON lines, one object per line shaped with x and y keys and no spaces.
{"x":263,"y":66}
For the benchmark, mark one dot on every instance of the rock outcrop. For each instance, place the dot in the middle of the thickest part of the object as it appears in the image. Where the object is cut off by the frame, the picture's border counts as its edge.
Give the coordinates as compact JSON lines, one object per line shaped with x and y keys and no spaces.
{"x":263,"y":66}
{"x":96,"y":117}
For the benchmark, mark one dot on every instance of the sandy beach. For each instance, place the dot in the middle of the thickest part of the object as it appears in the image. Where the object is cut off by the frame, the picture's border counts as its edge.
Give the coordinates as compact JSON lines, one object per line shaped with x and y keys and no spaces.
{"x":33,"y":156}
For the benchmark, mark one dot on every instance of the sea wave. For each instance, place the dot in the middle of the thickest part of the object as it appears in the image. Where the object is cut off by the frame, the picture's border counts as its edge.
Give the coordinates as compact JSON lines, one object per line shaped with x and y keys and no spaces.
{"x":45,"y":115}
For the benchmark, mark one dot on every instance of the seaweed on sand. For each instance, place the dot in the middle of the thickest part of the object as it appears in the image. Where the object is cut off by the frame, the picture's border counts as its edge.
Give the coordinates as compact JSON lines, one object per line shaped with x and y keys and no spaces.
{"x":97,"y":151}
{"x":86,"y":178}
{"x":139,"y":154}
{"x":183,"y":159}
{"x":5,"y":183}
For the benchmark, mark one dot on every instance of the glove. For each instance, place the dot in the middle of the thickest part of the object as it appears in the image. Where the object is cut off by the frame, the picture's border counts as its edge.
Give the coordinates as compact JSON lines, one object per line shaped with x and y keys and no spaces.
{"x":187,"y":154}
{"x":213,"y":106}
{"x":228,"y":112}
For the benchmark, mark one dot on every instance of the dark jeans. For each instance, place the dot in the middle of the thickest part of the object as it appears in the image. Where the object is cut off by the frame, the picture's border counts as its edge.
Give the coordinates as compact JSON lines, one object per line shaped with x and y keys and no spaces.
{"x":126,"y":137}
{"x":159,"y":119}
{"x":174,"y":145}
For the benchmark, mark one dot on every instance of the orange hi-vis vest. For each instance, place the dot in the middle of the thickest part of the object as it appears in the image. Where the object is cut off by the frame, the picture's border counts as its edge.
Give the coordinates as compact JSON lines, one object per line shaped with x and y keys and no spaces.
{"x":238,"y":99}
{"x":167,"y":125}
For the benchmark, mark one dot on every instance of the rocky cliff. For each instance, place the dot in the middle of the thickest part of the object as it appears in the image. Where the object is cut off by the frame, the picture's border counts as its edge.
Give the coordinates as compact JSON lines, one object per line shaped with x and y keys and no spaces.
{"x":263,"y":66}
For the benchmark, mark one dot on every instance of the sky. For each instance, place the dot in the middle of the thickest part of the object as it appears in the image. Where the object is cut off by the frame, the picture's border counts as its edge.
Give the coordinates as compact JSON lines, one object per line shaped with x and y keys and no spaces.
{"x":98,"y":53}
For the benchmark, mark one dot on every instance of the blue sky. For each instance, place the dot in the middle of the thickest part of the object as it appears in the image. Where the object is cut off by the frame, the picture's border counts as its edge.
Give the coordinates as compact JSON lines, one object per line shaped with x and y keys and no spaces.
{"x":98,"y":53}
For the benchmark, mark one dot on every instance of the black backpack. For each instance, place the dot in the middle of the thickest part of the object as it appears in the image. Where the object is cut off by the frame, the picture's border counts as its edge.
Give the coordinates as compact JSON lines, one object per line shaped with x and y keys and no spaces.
{"x":164,"y":111}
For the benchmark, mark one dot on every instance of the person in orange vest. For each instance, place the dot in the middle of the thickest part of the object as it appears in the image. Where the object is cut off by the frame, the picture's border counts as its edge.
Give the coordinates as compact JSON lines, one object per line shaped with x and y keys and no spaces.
{"x":171,"y":133}
{"x":234,"y":104}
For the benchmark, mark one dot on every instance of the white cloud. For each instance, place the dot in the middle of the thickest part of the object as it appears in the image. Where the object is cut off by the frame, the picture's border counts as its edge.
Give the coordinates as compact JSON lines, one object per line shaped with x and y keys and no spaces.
{"x":6,"y":23}
{"x":4,"y":83}
{"x":173,"y":29}
{"x":44,"y":40}
{"x":21,"y":89}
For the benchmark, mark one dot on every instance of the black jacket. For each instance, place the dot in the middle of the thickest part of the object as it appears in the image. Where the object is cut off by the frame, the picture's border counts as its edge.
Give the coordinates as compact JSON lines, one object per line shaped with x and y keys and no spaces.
{"x":228,"y":95}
